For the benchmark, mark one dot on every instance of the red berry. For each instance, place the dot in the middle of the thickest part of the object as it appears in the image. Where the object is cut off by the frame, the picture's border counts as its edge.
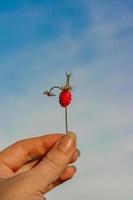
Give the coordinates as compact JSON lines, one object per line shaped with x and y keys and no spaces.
{"x":65,"y":98}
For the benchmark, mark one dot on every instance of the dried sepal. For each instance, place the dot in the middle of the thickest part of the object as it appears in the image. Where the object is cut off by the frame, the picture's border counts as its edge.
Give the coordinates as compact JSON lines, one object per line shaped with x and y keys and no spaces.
{"x":50,"y":94}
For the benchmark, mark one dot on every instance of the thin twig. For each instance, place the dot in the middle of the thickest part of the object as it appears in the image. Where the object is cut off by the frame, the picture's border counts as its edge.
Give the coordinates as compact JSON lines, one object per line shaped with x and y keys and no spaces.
{"x":66,"y":121}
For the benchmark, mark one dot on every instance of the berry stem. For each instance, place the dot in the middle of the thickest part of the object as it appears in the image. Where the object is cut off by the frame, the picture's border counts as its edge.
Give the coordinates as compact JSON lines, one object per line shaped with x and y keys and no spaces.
{"x":49,"y":93}
{"x":66,"y":121}
{"x":55,"y":87}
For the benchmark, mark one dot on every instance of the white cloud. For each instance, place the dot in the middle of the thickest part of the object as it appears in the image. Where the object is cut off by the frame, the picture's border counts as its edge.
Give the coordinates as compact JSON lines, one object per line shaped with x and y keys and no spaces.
{"x":101,"y":113}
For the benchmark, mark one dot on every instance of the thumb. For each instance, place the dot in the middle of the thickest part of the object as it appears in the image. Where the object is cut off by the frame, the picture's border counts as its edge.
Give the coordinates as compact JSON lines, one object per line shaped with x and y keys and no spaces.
{"x":52,"y":166}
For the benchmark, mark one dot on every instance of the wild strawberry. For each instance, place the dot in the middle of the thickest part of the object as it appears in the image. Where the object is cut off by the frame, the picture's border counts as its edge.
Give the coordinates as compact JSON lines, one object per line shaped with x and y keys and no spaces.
{"x":65,"y":98}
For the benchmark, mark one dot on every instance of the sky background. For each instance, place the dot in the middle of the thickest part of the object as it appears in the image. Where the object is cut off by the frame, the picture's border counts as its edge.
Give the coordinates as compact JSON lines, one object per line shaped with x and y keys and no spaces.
{"x":41,"y":40}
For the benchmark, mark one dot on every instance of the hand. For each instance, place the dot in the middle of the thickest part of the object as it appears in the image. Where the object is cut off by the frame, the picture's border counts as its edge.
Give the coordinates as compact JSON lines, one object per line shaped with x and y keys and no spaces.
{"x":31,"y":167}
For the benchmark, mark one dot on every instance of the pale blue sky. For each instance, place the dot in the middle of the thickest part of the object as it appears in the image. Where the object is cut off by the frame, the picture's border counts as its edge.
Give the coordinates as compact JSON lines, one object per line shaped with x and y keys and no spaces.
{"x":39,"y":42}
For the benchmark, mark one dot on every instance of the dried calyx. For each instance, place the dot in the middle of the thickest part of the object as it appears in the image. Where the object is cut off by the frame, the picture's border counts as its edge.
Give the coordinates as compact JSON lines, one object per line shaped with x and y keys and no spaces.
{"x":62,"y":88}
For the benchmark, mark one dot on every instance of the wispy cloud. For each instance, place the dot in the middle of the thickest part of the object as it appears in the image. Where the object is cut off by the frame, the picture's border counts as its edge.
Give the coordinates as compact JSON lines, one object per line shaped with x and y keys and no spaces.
{"x":100,"y":57}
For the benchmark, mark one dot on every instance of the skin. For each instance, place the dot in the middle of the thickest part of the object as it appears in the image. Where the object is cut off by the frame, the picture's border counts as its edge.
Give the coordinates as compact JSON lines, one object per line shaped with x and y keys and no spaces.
{"x":32,"y":167}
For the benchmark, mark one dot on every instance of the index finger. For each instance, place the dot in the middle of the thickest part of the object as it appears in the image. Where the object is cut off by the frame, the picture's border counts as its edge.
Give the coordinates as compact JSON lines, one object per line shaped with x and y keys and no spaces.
{"x":19,"y":153}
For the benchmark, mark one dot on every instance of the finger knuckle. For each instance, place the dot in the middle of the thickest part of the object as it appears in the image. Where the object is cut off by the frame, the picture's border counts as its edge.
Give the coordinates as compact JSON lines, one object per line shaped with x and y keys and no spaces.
{"x":54,"y":164}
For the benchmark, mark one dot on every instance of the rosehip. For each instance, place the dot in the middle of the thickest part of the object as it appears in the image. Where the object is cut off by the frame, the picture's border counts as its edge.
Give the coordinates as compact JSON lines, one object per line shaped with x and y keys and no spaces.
{"x":65,"y":98}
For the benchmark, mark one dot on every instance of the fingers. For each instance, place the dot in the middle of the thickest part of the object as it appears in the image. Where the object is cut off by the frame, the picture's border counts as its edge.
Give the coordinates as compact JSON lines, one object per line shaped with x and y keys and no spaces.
{"x":53,"y":165}
{"x":26,"y":167}
{"x":21,"y":152}
{"x":31,"y":163}
{"x":75,"y":155}
{"x":68,"y":174}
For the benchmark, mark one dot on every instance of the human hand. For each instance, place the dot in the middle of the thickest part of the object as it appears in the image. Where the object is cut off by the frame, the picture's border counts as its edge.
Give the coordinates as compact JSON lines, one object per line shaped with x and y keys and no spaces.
{"x":31,"y":167}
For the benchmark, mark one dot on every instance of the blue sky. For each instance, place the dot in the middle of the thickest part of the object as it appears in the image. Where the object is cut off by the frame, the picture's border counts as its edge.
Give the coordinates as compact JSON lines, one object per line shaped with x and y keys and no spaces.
{"x":39,"y":42}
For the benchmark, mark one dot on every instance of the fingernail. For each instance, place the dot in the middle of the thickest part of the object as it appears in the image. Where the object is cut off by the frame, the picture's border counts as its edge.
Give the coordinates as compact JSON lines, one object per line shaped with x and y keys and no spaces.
{"x":72,"y":135}
{"x":78,"y":152}
{"x":75,"y":169}
{"x":67,"y":143}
